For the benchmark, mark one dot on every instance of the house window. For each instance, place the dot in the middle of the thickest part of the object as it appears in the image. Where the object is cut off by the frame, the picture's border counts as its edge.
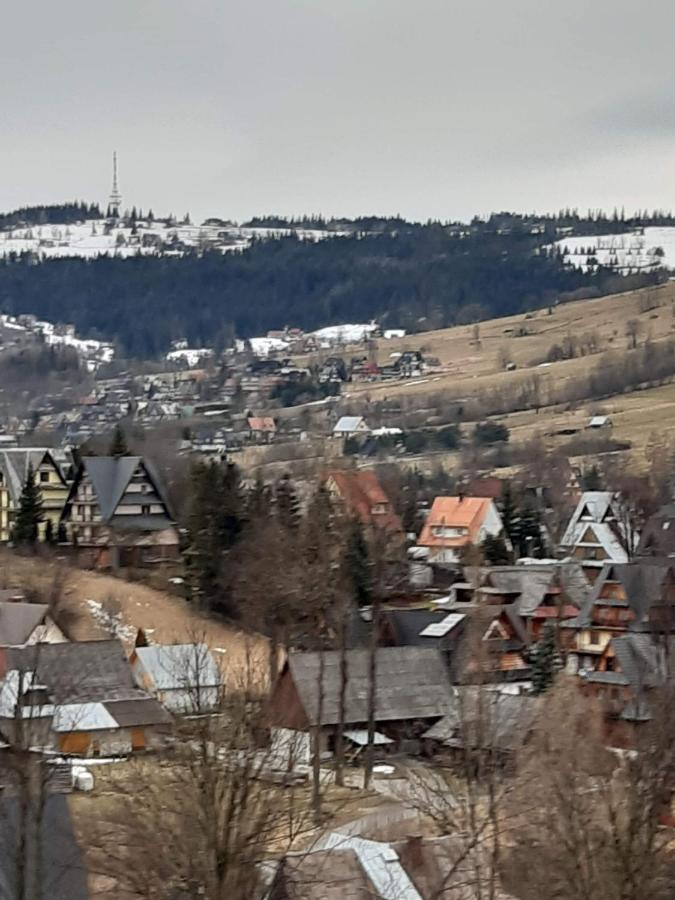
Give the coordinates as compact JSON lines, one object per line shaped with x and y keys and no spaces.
{"x":44,"y":477}
{"x":145,"y":510}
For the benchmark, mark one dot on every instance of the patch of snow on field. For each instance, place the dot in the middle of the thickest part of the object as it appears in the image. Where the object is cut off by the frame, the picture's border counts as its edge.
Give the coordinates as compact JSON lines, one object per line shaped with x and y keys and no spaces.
{"x":638,"y":251}
{"x":343,"y":334}
{"x":262,"y":346}
{"x":110,"y":621}
{"x":96,"y":237}
{"x":192,"y":357}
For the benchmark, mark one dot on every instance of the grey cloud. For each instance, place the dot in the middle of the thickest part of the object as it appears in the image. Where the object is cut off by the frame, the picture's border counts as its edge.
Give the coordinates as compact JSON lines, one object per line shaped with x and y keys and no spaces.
{"x":433,"y":108}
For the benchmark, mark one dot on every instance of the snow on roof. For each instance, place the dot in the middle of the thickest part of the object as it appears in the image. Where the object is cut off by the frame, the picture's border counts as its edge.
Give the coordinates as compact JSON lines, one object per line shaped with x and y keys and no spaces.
{"x":83,"y":717}
{"x":360,"y":736}
{"x":347,"y":424}
{"x":380,"y":862}
{"x":179,"y":666}
{"x":440,"y":629}
{"x":599,"y":507}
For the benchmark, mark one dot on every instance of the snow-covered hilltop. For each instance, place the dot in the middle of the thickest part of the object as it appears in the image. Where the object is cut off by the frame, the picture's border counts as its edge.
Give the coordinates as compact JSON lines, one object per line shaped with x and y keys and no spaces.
{"x":93,"y":353}
{"x":629,"y":253}
{"x":125,"y":238}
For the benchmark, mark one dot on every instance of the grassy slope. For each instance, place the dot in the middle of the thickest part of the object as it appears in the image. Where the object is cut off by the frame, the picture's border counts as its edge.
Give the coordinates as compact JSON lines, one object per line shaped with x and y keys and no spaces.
{"x":469,"y":368}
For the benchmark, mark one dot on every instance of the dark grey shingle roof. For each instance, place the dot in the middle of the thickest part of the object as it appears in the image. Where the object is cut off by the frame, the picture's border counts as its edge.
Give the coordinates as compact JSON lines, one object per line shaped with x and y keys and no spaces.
{"x":485,"y":717}
{"x":407,"y":624}
{"x":412,"y":683}
{"x":18,"y":621}
{"x":135,"y":713}
{"x":79,"y":672}
{"x":110,"y":476}
{"x":15,"y":464}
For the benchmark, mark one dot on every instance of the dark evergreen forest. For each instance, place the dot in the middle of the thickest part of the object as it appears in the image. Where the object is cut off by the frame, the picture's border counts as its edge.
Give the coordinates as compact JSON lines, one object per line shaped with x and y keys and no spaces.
{"x":405,"y":275}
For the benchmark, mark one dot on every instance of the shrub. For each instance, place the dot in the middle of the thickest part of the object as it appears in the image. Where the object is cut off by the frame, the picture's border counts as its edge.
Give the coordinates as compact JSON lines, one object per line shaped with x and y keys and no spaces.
{"x":490,"y":433}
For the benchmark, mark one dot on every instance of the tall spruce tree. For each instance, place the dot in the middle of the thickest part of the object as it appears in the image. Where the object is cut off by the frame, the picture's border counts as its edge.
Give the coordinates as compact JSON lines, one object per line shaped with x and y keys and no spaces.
{"x":508,"y":510}
{"x":28,"y":518}
{"x":118,"y":445}
{"x":215,"y":521}
{"x":546,"y":661}
{"x":287,"y":503}
{"x":495,"y":550}
{"x":357,"y":559}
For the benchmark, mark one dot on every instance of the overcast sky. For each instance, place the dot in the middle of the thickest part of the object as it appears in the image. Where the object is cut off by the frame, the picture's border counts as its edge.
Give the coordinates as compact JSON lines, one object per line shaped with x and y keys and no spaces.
{"x":428,"y":108}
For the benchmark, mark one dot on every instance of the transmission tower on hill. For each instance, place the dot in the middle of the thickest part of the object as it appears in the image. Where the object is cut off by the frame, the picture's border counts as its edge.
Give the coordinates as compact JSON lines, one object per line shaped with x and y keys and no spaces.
{"x":115,"y":201}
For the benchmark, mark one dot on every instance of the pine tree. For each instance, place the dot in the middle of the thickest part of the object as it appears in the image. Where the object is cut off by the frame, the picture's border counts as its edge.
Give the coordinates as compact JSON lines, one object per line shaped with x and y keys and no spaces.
{"x":591,"y":479}
{"x":508,"y":510}
{"x":495,"y":551}
{"x":528,"y":536}
{"x":357,"y":564}
{"x":29,"y":515}
{"x":258,"y":498}
{"x":118,"y":445}
{"x":287,"y":503}
{"x":215,"y":523}
{"x":546,"y":661}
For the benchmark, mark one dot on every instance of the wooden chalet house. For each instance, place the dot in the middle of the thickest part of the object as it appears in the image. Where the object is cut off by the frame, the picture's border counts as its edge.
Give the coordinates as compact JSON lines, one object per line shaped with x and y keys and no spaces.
{"x":14,"y":467}
{"x":362,"y":496}
{"x":455,"y":523}
{"x":628,"y":692}
{"x":117,"y":514}
{"x":596,"y":534}
{"x":636,"y":597}
{"x":412,"y":693}
{"x":514,"y":604}
{"x":79,"y":699}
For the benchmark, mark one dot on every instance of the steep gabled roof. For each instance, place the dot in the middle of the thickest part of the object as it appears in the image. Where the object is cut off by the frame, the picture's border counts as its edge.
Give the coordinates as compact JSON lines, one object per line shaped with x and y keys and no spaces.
{"x":110,"y":477}
{"x":18,"y":621}
{"x":643,"y":582}
{"x":361,"y":492}
{"x":15,"y":464}
{"x":593,"y":506}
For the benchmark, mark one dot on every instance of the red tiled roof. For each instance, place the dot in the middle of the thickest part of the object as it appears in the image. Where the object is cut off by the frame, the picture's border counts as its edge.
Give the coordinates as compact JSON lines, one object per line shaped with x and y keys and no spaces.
{"x":362,"y":492}
{"x":489,"y":487}
{"x":454,"y":512}
{"x":552,"y":612}
{"x":262,"y":423}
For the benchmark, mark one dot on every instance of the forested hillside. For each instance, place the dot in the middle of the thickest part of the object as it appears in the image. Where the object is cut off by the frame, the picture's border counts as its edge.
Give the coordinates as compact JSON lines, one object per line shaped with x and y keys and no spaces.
{"x":414,"y":276}
{"x":55,"y":214}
